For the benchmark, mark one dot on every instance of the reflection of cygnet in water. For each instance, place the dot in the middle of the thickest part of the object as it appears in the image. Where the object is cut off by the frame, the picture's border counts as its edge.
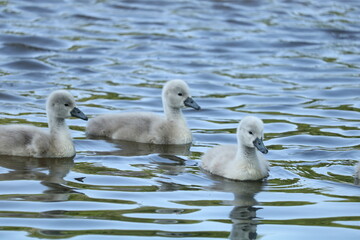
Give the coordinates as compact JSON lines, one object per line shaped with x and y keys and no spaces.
{"x":170,"y":164}
{"x":58,"y":169}
{"x":243,"y":215}
{"x":357,"y":174}
{"x":127,"y":148}
{"x":244,"y":191}
{"x":23,"y":168}
{"x":242,"y":161}
{"x":244,"y":223}
{"x":167,"y":167}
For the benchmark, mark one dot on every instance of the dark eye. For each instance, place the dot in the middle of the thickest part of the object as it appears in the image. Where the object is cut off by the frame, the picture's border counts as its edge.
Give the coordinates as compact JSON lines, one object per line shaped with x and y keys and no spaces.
{"x":250,"y":132}
{"x":66,"y":104}
{"x":180,"y":94}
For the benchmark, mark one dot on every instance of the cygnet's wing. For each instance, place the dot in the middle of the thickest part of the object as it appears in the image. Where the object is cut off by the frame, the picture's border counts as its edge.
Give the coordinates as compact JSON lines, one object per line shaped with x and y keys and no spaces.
{"x":215,"y":159}
{"x":23,"y":140}
{"x":134,"y":126}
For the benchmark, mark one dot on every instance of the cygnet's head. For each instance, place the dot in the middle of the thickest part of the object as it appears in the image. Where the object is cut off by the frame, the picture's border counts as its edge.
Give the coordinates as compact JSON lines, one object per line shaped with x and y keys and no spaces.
{"x":250,"y":133}
{"x":61,"y":104}
{"x":176,"y":94}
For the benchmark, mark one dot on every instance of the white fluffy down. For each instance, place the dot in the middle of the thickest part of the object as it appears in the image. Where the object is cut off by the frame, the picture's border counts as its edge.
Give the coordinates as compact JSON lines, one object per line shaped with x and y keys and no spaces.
{"x":147,"y":127}
{"x":31,"y":141}
{"x":242,"y":161}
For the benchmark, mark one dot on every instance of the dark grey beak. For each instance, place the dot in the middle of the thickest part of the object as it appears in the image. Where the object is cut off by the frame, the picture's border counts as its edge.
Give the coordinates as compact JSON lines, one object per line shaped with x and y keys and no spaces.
{"x":78,"y":113}
{"x":259,"y":144}
{"x":189,"y":102}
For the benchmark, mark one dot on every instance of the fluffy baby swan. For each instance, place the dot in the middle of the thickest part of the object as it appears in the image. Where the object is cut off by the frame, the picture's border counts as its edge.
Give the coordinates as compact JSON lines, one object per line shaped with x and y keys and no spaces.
{"x":147,"y":127}
{"x":31,"y":141}
{"x":241,"y":161}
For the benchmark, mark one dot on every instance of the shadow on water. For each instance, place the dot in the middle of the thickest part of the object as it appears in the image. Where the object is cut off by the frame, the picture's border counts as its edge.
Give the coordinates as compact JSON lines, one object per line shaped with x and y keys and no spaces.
{"x":170,"y":165}
{"x":127,"y":148}
{"x":50,"y":172}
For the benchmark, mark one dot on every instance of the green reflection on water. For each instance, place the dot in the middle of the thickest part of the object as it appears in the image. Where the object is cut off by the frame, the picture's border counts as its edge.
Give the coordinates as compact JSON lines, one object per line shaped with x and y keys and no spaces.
{"x":82,"y":197}
{"x":287,"y":203}
{"x":329,"y":222}
{"x":118,"y":215}
{"x":201,"y":203}
{"x":115,"y":188}
{"x":5,"y":121}
{"x":89,"y":168}
{"x":61,"y":234}
{"x":109,"y":95}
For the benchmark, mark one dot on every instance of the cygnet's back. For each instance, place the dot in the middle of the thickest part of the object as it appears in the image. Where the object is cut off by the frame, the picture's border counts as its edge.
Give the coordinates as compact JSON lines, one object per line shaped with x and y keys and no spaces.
{"x":145,"y":127}
{"x":241,"y":161}
{"x":26,"y":140}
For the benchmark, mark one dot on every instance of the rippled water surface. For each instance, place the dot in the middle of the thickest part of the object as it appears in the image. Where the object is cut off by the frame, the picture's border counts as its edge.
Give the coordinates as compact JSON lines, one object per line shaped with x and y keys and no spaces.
{"x":295,"y":64}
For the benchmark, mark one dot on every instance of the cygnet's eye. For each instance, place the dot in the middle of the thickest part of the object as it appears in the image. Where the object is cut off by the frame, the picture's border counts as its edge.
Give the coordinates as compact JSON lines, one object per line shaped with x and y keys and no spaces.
{"x":180,"y":94}
{"x":66,"y":104}
{"x":250,"y":132}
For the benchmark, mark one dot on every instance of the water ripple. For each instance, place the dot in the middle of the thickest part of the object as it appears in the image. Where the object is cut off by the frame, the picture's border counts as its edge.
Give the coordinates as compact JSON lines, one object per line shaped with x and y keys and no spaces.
{"x":295,"y":64}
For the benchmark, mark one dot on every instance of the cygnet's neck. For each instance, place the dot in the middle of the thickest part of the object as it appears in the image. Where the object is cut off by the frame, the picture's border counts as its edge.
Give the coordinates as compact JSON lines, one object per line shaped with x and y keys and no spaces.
{"x":173,"y":114}
{"x":61,"y":143}
{"x":58,"y":129}
{"x":246,"y":154}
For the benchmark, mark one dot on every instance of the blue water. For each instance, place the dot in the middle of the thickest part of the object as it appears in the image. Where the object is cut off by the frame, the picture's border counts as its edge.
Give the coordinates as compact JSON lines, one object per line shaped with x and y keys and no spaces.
{"x":295,"y":64}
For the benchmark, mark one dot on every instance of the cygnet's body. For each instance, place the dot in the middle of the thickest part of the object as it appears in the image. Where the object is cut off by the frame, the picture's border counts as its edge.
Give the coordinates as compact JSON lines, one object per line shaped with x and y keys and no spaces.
{"x":241,"y":161}
{"x":145,"y":127}
{"x":31,"y":141}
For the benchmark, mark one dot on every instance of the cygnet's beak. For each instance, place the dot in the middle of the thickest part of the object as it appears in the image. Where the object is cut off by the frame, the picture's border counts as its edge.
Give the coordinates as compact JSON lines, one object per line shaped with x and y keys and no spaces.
{"x":259,"y":144}
{"x":78,"y":113}
{"x":189,"y":102}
